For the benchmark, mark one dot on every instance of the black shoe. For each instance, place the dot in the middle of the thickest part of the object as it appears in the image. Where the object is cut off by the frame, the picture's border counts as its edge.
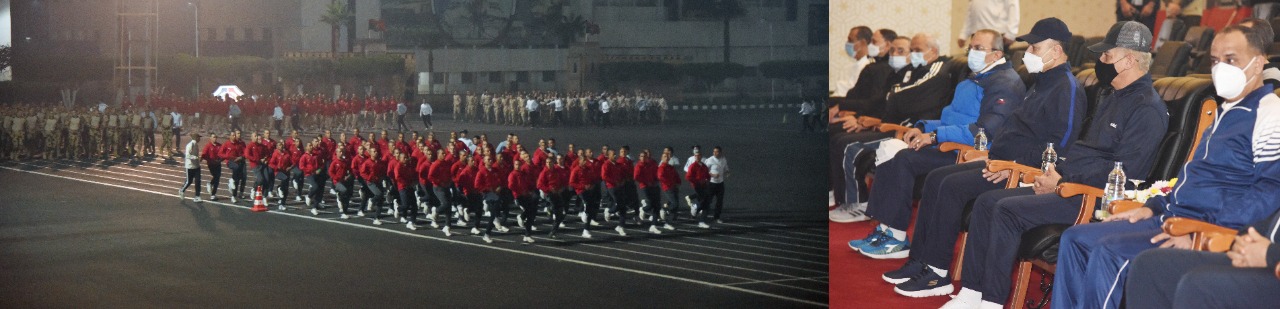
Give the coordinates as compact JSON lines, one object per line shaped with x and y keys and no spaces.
{"x":904,"y":273}
{"x":926,"y":283}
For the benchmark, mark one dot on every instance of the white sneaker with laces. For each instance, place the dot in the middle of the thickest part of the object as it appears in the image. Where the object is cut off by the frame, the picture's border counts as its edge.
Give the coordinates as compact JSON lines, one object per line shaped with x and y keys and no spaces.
{"x":344,"y":216}
{"x":668,"y":227}
{"x":703,"y":225}
{"x":360,"y":213}
{"x":654,"y":229}
{"x":475,"y":231}
{"x":446,"y":231}
{"x":182,"y":195}
{"x":965,"y":299}
{"x":315,"y":212}
{"x":411,"y":226}
{"x":213,"y":197}
{"x":621,"y":231}
{"x":583,"y":216}
{"x":434,"y":225}
{"x":848,"y":213}
{"x":377,"y":221}
{"x":586,"y":234}
{"x":197,"y":199}
{"x":528,"y":239}
{"x":486,"y":239}
{"x":234,"y":200}
{"x":282,"y":208}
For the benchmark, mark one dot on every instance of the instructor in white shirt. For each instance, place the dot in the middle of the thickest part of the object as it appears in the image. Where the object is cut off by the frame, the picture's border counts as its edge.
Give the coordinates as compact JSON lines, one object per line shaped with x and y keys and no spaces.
{"x":718,"y":167}
{"x":424,"y":111}
{"x":191,"y":161}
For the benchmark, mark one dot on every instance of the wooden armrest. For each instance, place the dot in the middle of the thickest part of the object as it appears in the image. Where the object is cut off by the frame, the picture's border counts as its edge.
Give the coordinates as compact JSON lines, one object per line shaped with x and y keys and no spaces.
{"x":869,"y":122}
{"x":1123,"y":206}
{"x":898,"y":130}
{"x":965,"y":153}
{"x":1025,"y":174}
{"x":953,"y":146}
{"x":1204,"y":236}
{"x":1087,"y":203}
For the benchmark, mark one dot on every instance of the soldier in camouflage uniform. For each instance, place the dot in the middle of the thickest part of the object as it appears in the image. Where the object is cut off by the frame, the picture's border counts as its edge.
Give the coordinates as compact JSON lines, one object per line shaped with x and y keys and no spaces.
{"x":75,"y":129}
{"x":17,"y":130}
{"x":95,"y":133}
{"x":166,"y":130}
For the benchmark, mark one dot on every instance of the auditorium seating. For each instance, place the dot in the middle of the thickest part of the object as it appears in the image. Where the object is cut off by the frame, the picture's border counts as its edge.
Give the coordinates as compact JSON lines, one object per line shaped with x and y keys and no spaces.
{"x":1170,"y":31}
{"x":1199,"y":38}
{"x":1170,"y":59}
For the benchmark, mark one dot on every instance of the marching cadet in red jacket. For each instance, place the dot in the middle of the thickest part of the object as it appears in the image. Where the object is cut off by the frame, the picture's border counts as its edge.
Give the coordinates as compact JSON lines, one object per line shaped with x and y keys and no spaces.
{"x":426,"y":197}
{"x":441,"y":181}
{"x":646,"y":178}
{"x":488,"y":181}
{"x":233,"y":152}
{"x":309,"y":164}
{"x":212,"y":156}
{"x":522,"y":191}
{"x":343,"y":181}
{"x":374,"y":170}
{"x":464,"y":178}
{"x":552,"y":182}
{"x":700,"y":177}
{"x":502,"y":167}
{"x":584,"y":178}
{"x":627,"y":198}
{"x":611,"y":172}
{"x":669,"y":178}
{"x":256,"y":154}
{"x":280,"y":162}
{"x":406,"y":178}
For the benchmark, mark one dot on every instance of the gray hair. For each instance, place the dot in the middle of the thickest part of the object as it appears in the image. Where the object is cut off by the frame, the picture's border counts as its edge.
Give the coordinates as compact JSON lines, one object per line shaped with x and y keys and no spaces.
{"x":997,"y":41}
{"x":1143,"y":58}
{"x":930,"y":41}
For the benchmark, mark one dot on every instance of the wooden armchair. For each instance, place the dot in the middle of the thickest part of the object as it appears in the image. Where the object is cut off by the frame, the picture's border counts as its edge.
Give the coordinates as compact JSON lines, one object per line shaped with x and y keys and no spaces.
{"x":1088,"y":202}
{"x":1018,"y":174}
{"x":1204,"y":236}
{"x":898,"y":130}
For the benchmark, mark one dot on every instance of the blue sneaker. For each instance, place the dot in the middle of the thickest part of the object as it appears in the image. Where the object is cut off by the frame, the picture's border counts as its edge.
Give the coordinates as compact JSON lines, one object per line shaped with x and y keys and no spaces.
{"x":925,"y":283}
{"x":857,"y":244}
{"x":886,"y":247}
{"x":906,"y":272}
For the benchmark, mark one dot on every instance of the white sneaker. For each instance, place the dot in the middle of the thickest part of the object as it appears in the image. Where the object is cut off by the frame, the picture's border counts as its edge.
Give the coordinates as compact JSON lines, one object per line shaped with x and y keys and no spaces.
{"x":446,"y":231}
{"x":475,"y":231}
{"x":965,"y":299}
{"x":719,"y":221}
{"x":434,"y":225}
{"x":403,"y":220}
{"x":486,"y":239}
{"x":466,"y":216}
{"x":234,"y":200}
{"x":561,"y":224}
{"x":654,"y":229}
{"x":460,"y":222}
{"x":377,"y":221}
{"x":621,"y":231}
{"x":848,"y":213}
{"x":299,"y":199}
{"x":528,"y":239}
{"x":182,"y":195}
{"x":583,"y":216}
{"x":668,"y":227}
{"x":520,"y":221}
{"x":315,"y":212}
{"x":486,"y":212}
{"x":501,"y":229}
{"x":213,"y":197}
{"x":586,"y":234}
{"x":411,"y":226}
{"x":282,"y":208}
{"x":533,"y":228}
{"x":308,"y":200}
{"x":703,"y":225}
{"x":360,"y":213}
{"x":344,"y":216}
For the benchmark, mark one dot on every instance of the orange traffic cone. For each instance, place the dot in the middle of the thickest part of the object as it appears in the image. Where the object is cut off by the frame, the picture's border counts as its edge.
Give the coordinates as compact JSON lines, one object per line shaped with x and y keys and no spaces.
{"x":259,"y":205}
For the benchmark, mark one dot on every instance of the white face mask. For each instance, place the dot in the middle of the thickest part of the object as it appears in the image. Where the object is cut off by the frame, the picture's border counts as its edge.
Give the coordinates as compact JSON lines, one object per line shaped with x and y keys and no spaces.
{"x":849,"y":49}
{"x":1230,"y":80}
{"x":897,"y":62}
{"x":917,"y":59}
{"x":977,"y":60}
{"x":1034,"y":63}
{"x":873,"y":50}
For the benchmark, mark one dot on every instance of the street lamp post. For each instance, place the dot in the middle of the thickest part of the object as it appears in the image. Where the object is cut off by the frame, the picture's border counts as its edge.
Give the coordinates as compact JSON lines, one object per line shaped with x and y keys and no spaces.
{"x":196,"y":6}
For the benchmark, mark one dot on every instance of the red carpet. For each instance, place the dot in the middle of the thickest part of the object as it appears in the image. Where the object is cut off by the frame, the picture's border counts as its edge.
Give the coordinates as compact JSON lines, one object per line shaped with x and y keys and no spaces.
{"x":855,"y":278}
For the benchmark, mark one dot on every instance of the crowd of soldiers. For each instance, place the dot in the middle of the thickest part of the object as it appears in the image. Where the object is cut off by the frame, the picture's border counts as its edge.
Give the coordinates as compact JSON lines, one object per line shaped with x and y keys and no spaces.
{"x":464,"y":178}
{"x":560,"y":109}
{"x":38,"y":131}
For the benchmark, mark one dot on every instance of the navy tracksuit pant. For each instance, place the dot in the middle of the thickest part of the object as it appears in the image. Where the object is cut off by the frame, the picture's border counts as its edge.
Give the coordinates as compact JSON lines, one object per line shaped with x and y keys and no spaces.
{"x":1176,"y":278}
{"x":1093,"y":258}
{"x":995,"y":228}
{"x":946,"y":192}
{"x":890,"y":200}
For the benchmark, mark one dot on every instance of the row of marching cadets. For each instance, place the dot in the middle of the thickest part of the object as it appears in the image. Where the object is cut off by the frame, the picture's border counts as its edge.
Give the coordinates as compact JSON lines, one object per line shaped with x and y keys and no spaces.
{"x":997,"y":132}
{"x":465,"y":178}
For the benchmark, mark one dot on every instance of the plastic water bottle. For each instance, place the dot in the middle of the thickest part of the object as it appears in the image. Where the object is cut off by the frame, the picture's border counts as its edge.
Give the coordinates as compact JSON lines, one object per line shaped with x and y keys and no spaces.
{"x":1048,"y":157}
{"x":1114,"y":190}
{"x":980,"y":140}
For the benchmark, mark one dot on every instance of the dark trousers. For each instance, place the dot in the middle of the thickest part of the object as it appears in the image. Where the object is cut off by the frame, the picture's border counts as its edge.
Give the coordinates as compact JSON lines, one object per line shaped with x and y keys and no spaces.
{"x":426,"y":121}
{"x":715,"y":191}
{"x":316,"y":191}
{"x":238,"y":176}
{"x":998,"y":220}
{"x":528,"y":211}
{"x":701,"y":193}
{"x":946,"y":192}
{"x":400,"y":125}
{"x":378,"y":196}
{"x":1176,"y":278}
{"x":215,"y":173}
{"x":604,"y":120}
{"x":177,"y":137}
{"x":533,"y":119}
{"x":890,"y":199}
{"x":294,"y":122}
{"x":1092,"y":261}
{"x":673,"y":203}
{"x":502,"y":209}
{"x":260,"y":179}
{"x":193,"y":178}
{"x":406,"y":201}
{"x":558,"y":203}
{"x":235,"y":123}
{"x":653,"y":197}
{"x":591,"y":199}
{"x":839,"y":147}
{"x":474,"y":203}
{"x":344,"y":193}
{"x":283,"y":185}
{"x":275,"y":124}
{"x":495,"y":205}
{"x":446,"y":203}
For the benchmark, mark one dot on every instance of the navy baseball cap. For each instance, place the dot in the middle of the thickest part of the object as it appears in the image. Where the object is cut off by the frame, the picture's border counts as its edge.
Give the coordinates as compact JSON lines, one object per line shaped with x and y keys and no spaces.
{"x":1127,"y":34}
{"x":1048,"y":28}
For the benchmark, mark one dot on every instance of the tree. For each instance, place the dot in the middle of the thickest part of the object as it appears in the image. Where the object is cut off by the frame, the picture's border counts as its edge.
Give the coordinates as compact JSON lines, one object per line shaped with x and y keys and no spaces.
{"x":336,"y":16}
{"x":6,"y":54}
{"x":722,"y":10}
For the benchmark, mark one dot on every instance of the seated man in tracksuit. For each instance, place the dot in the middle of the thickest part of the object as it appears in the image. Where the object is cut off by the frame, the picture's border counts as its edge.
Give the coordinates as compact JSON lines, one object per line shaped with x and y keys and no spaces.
{"x":981,"y":102}
{"x":1243,"y":277}
{"x":1126,"y":129}
{"x":1232,"y":180}
{"x":1050,"y":113}
{"x":923,"y":89}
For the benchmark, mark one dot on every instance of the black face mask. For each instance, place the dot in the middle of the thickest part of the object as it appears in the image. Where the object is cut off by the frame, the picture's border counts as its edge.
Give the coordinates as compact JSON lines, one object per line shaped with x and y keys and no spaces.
{"x":1106,"y":72}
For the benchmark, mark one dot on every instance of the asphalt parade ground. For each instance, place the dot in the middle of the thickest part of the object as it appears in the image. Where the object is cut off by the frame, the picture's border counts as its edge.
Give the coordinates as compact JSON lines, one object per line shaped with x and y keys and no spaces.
{"x":81,"y":233}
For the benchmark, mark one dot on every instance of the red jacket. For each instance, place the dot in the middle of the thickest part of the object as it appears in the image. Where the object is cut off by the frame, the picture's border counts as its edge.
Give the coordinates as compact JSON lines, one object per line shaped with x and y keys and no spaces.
{"x":338,"y":170}
{"x":698,"y":174}
{"x":280,"y":161}
{"x":405,"y":176}
{"x":211,"y":153}
{"x":441,"y":175}
{"x":611,"y":172}
{"x":580,"y":178}
{"x":668,"y":176}
{"x":518,"y":182}
{"x":357,"y":162}
{"x":308,"y":164}
{"x":646,"y":172}
{"x":424,"y":171}
{"x":539,"y":157}
{"x":488,"y":179}
{"x":502,"y":169}
{"x":627,"y":168}
{"x":552,"y":179}
{"x":466,"y":180}
{"x":233,"y":149}
{"x":373,"y":169}
{"x":255,"y":153}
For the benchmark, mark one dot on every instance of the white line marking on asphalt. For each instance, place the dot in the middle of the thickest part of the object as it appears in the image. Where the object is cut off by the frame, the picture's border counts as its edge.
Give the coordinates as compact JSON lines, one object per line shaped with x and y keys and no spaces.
{"x":724,"y":286}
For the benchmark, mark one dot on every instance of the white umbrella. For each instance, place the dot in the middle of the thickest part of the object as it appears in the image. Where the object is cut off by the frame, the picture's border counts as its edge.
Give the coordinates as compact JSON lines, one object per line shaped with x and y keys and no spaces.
{"x":228,"y":91}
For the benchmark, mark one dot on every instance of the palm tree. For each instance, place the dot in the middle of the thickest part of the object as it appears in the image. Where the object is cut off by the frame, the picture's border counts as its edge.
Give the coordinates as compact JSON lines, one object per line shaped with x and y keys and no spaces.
{"x":723,"y":10}
{"x":336,"y":16}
